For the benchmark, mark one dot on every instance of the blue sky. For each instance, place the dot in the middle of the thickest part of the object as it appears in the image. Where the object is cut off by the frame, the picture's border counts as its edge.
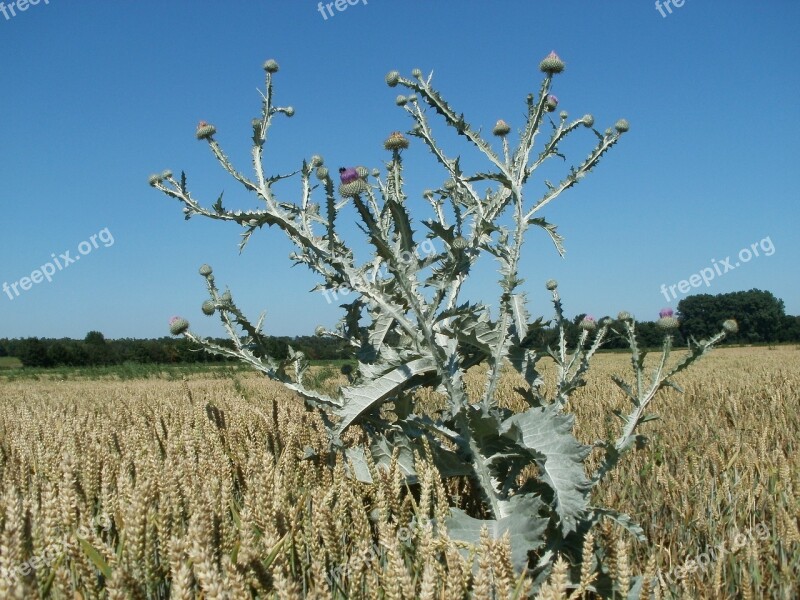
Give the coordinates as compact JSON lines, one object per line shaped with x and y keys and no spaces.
{"x":98,"y":95}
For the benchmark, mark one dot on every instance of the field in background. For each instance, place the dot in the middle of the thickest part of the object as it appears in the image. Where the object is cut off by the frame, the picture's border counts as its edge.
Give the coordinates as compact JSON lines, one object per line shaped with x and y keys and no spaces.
{"x":146,"y":487}
{"x":9,"y":362}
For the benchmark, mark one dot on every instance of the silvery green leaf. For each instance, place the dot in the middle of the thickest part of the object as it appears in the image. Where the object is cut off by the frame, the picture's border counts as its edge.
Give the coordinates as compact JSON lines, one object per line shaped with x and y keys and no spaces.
{"x":558,"y":240}
{"x":356,"y":464}
{"x":520,"y":314}
{"x":525,"y":527}
{"x":383,"y":448}
{"x":359,"y":399}
{"x":547,"y":434}
{"x":622,"y":519}
{"x":524,"y":361}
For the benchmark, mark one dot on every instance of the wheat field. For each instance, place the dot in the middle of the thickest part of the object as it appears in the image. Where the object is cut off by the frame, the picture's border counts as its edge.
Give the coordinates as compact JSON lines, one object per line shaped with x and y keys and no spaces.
{"x":199,"y":489}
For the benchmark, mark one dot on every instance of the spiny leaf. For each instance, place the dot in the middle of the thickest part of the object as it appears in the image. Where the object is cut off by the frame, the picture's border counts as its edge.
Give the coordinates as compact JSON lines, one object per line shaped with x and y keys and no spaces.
{"x":524,"y":526}
{"x":558,"y":240}
{"x":359,"y":399}
{"x":217,"y":206}
{"x":520,"y":314}
{"x":548,"y":435}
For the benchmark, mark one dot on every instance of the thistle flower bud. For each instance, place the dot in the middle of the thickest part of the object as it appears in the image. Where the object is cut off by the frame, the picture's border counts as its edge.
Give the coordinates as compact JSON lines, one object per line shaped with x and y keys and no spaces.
{"x":551,"y":284}
{"x":166,"y":174}
{"x":449,"y":185}
{"x":605,"y":321}
{"x":501,"y":128}
{"x":205,"y":270}
{"x":392,"y":78}
{"x":348,"y":175}
{"x":154,"y":179}
{"x":226,"y":297}
{"x":563,"y":115}
{"x":271,"y":66}
{"x":551,"y":102}
{"x":587,"y":323}
{"x":319,"y":331}
{"x":551,"y":64}
{"x":459,"y":243}
{"x":208,"y":308}
{"x":396,"y":141}
{"x":363,"y":172}
{"x":667,"y":323}
{"x":289,"y":111}
{"x":205,"y":130}
{"x":317,"y":161}
{"x":353,"y":188}
{"x":322,"y":173}
{"x":401,"y":100}
{"x":178,"y":325}
{"x":427,"y":193}
{"x":622,"y":125}
{"x":412,"y":98}
{"x":625,"y":316}
{"x":376,"y":173}
{"x":588,"y":120}
{"x":416,"y":73}
{"x":730,"y":326}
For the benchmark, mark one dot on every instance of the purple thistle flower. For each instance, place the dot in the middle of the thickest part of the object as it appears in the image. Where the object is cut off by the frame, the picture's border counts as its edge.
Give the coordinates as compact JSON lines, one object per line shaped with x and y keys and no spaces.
{"x":587,"y":323}
{"x":348,"y":175}
{"x":665,"y":312}
{"x":551,"y":64}
{"x":178,"y":325}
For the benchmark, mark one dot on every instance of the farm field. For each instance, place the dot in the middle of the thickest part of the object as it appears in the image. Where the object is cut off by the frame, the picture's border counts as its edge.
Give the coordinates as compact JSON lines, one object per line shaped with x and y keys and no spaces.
{"x":197,"y":487}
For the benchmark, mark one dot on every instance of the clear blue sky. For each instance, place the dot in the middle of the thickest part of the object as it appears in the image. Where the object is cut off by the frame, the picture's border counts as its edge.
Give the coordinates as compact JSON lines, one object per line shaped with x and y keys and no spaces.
{"x":98,"y":95}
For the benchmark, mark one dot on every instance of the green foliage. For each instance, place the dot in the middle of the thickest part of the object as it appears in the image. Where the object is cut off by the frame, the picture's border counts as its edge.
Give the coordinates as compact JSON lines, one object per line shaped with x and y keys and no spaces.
{"x":409,"y":329}
{"x":759,"y":315}
{"x":95,"y":350}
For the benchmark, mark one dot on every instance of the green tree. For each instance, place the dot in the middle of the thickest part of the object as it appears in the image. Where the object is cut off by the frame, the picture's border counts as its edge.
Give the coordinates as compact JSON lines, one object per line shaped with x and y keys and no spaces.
{"x":790,"y":329}
{"x":97,"y":348}
{"x":758,"y":312}
{"x":33,"y":353}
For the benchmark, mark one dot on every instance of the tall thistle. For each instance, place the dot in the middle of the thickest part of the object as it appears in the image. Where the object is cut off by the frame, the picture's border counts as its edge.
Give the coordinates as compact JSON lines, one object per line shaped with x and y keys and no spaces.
{"x":409,"y":329}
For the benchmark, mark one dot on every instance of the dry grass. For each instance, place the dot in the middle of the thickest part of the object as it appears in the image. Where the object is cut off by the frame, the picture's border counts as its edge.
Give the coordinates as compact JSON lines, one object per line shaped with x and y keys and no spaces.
{"x":156,"y":489}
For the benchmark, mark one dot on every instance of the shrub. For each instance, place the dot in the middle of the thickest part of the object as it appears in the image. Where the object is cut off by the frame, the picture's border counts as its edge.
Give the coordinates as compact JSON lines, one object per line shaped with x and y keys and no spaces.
{"x":410,"y":330}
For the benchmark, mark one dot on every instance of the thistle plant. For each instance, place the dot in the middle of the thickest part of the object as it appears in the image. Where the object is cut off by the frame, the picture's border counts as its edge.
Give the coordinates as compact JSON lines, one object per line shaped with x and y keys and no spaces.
{"x":409,"y":328}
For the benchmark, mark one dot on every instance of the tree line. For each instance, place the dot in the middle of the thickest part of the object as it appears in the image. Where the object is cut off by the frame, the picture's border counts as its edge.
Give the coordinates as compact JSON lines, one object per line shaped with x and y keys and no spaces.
{"x":96,"y":350}
{"x":760,"y":315}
